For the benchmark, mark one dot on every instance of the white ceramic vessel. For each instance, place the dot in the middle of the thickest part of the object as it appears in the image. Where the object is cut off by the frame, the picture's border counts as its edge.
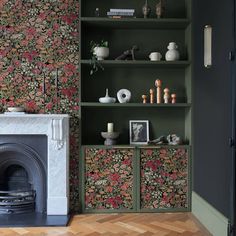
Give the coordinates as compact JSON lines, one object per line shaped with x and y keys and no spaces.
{"x":172,"y":54}
{"x":107,"y":99}
{"x":101,"y":53}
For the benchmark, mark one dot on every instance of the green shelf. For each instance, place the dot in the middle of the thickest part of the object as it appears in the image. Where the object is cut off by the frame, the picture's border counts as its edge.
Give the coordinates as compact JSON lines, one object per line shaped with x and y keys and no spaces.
{"x":130,"y":105}
{"x":136,"y":23}
{"x":120,"y":146}
{"x":141,"y":63}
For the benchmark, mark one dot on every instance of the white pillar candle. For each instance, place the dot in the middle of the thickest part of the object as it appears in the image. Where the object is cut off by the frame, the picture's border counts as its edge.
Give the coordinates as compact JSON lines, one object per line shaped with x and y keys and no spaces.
{"x":110,"y":127}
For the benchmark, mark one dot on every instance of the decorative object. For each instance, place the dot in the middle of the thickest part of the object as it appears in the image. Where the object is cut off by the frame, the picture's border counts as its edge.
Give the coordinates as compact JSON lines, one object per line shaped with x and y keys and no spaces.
{"x":173,"y":139}
{"x":172,"y":54}
{"x":107,"y":98}
{"x":161,"y":140}
{"x":166,"y":95}
{"x":207,"y":46}
{"x":144,"y":97}
{"x":110,"y":127}
{"x":97,"y":12}
{"x":146,"y":10}
{"x":158,"y":85}
{"x":15,"y":109}
{"x":139,"y":131}
{"x":151,"y":96}
{"x":155,"y":56}
{"x":173,"y":98}
{"x":110,"y":137}
{"x":128,"y":54}
{"x":124,"y":95}
{"x":160,"y":9}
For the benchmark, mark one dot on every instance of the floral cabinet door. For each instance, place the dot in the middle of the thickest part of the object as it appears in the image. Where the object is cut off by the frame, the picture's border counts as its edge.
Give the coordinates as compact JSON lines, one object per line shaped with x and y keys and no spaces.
{"x":164,"y":179}
{"x":109,"y":179}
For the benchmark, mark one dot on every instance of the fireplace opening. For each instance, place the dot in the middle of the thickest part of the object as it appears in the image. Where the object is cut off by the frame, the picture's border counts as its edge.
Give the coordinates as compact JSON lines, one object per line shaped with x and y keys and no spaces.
{"x":17,"y":195}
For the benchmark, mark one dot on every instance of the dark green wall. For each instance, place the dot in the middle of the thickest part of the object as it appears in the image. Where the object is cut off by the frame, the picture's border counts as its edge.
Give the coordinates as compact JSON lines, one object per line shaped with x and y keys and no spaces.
{"x":213,"y":104}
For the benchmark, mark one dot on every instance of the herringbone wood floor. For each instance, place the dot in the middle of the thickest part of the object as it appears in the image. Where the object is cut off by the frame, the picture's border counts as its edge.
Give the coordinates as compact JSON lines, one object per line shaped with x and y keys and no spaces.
{"x":165,"y":224}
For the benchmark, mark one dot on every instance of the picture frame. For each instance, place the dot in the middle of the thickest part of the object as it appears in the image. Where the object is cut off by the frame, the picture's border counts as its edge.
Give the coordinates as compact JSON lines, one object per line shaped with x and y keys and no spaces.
{"x":139,"y":131}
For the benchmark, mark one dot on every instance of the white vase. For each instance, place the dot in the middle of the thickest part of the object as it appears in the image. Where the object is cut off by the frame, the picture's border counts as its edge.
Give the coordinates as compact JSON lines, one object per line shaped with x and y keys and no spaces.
{"x":101,"y":53}
{"x":172,"y":54}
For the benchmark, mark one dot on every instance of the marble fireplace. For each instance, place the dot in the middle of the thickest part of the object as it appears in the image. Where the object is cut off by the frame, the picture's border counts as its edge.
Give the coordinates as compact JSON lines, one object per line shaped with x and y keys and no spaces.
{"x":34,"y":150}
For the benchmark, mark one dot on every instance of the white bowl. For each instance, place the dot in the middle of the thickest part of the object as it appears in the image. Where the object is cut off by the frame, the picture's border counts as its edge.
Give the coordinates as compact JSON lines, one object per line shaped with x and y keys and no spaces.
{"x":16,"y":109}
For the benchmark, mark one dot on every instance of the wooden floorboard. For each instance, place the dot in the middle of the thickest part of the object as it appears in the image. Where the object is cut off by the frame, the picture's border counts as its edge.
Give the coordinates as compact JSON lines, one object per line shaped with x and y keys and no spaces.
{"x":144,"y":224}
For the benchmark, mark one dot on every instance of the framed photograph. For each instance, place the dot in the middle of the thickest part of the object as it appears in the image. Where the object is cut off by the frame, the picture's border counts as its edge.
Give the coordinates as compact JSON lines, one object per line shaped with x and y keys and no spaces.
{"x":139,"y":131}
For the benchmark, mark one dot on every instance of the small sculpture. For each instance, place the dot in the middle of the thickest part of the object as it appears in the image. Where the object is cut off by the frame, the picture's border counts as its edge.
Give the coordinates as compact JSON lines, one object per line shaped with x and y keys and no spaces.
{"x":158,"y":85}
{"x":144,"y":97}
{"x":173,"y":139}
{"x":173,"y":98}
{"x":160,"y":9}
{"x":128,"y":54}
{"x":124,"y":95}
{"x":172,"y":54}
{"x":161,"y":140}
{"x":146,"y":10}
{"x":166,"y":95}
{"x":151,"y":96}
{"x":110,"y":136}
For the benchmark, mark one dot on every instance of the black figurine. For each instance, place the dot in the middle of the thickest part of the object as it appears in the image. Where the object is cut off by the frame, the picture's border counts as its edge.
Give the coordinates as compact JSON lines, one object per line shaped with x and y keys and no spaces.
{"x":128,"y":54}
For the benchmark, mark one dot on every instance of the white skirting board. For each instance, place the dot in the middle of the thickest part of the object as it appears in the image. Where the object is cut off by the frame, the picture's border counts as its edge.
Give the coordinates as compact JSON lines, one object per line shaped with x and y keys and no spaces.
{"x":213,"y":220}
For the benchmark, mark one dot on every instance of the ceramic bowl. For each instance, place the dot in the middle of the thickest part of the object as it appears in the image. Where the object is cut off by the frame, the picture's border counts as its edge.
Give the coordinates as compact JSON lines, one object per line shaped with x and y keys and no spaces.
{"x":16,"y":109}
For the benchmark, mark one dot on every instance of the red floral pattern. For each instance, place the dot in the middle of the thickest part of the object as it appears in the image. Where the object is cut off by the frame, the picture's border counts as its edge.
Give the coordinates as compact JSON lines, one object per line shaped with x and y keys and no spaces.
{"x":109,"y":178}
{"x":38,"y":40}
{"x":164,"y":178}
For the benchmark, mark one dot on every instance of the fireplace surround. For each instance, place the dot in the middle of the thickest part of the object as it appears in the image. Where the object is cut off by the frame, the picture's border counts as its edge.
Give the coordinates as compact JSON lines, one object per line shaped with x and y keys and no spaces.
{"x":35,"y":148}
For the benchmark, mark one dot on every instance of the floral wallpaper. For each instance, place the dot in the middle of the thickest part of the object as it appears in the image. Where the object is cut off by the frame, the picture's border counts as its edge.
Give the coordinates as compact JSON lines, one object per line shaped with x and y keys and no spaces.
{"x":164,"y":178}
{"x":39,"y":63}
{"x":109,"y":178}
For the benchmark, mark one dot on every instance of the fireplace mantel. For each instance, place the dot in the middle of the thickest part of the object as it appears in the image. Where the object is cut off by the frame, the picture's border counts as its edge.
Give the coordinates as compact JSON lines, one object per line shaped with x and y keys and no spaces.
{"x":56,"y":128}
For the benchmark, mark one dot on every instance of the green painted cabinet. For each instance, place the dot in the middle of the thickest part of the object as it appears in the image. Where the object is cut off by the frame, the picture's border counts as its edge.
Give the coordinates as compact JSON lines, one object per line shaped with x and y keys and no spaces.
{"x":109,"y":179}
{"x":124,"y":177}
{"x":164,"y":180}
{"x":136,"y":179}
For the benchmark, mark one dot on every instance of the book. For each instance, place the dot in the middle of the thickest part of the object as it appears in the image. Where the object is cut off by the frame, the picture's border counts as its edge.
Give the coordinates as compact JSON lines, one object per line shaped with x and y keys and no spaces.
{"x":122,"y":10}
{"x":120,"y":14}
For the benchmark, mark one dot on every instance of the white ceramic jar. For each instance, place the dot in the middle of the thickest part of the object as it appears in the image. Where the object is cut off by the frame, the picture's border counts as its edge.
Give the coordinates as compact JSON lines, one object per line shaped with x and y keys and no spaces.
{"x":101,"y":53}
{"x":172,"y":54}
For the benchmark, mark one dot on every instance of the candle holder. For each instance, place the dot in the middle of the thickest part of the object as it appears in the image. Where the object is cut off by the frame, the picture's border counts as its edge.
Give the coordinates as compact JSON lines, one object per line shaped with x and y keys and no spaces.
{"x":110,"y":137}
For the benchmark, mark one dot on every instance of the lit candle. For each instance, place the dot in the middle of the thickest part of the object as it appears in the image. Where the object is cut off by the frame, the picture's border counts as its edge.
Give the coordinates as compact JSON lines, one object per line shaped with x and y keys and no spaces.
{"x":110,"y":127}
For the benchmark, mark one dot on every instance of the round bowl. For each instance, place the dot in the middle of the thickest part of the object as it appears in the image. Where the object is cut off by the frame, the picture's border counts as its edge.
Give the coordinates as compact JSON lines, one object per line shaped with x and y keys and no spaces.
{"x":16,"y":109}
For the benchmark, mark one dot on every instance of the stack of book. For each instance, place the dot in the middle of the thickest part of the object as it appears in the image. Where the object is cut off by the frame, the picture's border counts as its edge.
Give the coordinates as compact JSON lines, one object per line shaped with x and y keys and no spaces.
{"x":120,"y":13}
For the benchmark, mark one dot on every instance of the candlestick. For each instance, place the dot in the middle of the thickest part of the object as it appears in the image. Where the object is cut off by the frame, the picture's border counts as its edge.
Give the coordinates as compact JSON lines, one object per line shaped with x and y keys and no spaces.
{"x":166,"y":95}
{"x":158,"y":85}
{"x":173,"y":97}
{"x":110,"y":127}
{"x":151,"y":96}
{"x":144,"y":97}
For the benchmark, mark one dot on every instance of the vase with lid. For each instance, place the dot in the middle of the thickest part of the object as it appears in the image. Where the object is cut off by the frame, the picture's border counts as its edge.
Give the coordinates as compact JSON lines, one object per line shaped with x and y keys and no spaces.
{"x":172,"y":54}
